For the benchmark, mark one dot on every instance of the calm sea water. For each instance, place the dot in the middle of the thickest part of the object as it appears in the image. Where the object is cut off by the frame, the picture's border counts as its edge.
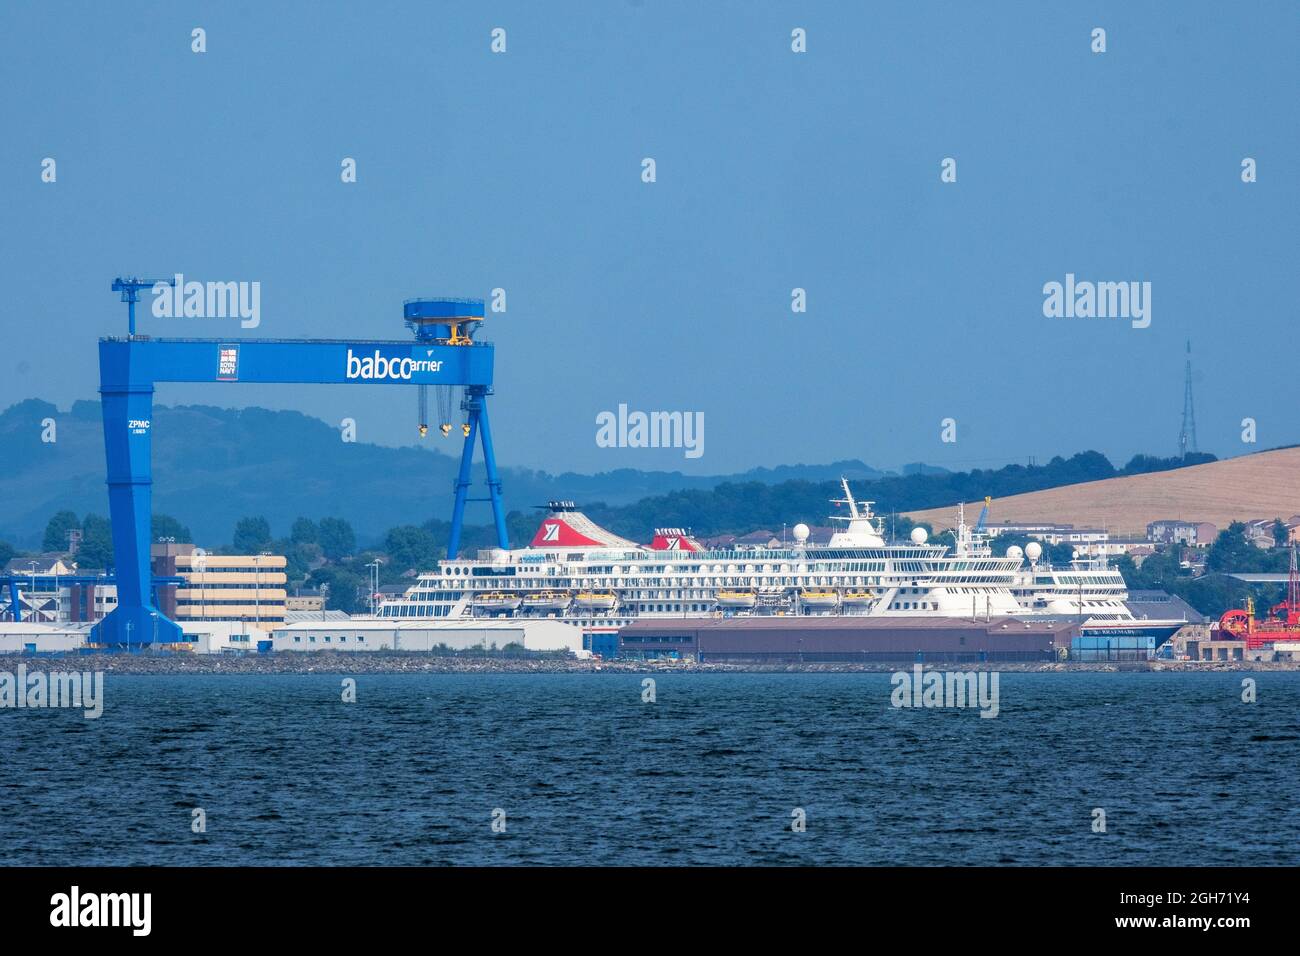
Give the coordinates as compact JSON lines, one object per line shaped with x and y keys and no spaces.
{"x":586,"y":773}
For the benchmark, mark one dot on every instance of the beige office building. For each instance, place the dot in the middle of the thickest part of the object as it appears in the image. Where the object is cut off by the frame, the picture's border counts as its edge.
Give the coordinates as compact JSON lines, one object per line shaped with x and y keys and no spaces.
{"x":222,"y":587}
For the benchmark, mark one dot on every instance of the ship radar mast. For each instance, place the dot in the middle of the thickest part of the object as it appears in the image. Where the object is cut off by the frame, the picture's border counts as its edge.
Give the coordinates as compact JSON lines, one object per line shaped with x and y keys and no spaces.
{"x":962,"y":543}
{"x":972,"y":541}
{"x":858,"y":510}
{"x":860,"y":527}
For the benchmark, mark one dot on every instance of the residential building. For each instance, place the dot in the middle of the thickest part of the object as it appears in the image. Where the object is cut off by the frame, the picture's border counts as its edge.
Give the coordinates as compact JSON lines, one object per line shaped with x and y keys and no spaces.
{"x":1259,"y":532}
{"x":1293,"y":529}
{"x":1052,"y":534}
{"x":1195,"y":534}
{"x":1028,"y":529}
{"x":305,"y":601}
{"x":51,"y":562}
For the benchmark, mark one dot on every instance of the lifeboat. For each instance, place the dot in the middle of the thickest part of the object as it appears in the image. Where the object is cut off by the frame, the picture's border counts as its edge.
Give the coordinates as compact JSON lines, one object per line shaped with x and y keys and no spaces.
{"x":736,"y":599}
{"x":547,"y":601}
{"x":497,"y":601}
{"x":818,"y":599}
{"x":596,"y":600}
{"x":858,"y":598}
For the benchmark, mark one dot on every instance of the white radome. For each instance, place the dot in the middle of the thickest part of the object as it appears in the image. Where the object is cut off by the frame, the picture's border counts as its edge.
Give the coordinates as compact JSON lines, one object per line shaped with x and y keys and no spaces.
{"x":1034,"y":550}
{"x":920,"y":536}
{"x":1015,"y":553}
{"x":801,"y":532}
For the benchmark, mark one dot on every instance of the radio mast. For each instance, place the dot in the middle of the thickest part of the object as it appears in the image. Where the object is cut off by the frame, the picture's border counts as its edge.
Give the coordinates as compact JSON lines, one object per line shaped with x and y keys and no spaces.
{"x":1187,"y":437}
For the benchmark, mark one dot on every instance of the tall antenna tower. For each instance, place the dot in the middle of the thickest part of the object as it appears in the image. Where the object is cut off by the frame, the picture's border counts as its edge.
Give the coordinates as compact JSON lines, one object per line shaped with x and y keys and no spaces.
{"x":1187,"y":437}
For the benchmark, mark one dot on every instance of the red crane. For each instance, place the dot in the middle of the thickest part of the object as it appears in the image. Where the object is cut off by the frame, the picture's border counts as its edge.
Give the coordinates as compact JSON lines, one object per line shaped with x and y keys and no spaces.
{"x":1282,"y":623}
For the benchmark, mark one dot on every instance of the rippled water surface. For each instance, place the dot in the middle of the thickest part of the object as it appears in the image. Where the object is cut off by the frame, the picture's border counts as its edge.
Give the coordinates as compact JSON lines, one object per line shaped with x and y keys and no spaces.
{"x":411,"y":773}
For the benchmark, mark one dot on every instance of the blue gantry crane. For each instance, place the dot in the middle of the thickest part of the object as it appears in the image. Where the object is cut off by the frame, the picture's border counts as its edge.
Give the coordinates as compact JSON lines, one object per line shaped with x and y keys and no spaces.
{"x":443,"y":353}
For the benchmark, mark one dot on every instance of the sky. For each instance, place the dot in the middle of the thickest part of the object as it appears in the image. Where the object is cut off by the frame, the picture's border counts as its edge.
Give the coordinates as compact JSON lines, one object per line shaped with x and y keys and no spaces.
{"x":774,"y":170}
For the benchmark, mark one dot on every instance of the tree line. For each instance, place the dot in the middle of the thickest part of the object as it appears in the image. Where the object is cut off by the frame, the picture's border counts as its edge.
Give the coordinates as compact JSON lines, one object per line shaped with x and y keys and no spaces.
{"x":738,"y":507}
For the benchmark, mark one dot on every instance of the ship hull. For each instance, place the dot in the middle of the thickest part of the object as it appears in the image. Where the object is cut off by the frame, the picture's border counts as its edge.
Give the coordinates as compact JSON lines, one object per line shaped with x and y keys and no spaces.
{"x":1160,"y":630}
{"x":835,"y":639}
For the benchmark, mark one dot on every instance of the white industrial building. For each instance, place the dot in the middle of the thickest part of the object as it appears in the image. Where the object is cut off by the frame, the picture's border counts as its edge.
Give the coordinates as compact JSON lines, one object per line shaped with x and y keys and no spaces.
{"x":349,"y":634}
{"x":214,"y":637}
{"x":392,"y":634}
{"x":26,"y":636}
{"x":207,"y":637}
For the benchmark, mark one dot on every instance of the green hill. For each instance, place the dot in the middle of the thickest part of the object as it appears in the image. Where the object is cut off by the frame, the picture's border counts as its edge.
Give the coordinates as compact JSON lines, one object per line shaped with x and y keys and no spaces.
{"x":213,"y":466}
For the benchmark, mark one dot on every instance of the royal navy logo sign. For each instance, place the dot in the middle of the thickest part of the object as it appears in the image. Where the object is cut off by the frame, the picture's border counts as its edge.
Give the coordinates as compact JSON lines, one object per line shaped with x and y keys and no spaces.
{"x":228,"y":363}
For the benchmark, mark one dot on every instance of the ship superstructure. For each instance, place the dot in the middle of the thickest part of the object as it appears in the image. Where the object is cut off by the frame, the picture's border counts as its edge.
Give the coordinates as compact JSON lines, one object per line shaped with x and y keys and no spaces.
{"x":583,"y":574}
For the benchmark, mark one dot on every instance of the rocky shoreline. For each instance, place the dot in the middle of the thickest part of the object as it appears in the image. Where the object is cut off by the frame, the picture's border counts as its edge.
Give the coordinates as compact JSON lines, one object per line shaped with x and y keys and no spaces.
{"x":332,"y":662}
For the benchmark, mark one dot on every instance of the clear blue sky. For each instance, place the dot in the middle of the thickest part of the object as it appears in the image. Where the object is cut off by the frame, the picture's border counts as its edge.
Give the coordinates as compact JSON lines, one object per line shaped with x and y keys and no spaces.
{"x":775,"y":170}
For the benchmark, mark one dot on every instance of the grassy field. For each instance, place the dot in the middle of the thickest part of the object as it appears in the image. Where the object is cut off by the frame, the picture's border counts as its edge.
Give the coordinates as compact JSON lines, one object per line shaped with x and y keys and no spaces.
{"x":1263,"y":485}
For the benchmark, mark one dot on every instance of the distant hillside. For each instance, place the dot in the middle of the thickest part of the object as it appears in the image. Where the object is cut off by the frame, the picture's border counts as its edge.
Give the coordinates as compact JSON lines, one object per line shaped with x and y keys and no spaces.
{"x":738,"y":507}
{"x":1262,"y":485}
{"x":213,"y":466}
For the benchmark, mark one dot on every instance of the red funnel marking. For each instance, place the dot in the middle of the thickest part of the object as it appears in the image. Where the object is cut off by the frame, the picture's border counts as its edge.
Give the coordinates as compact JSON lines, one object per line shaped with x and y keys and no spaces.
{"x":555,"y":531}
{"x":674,"y":539}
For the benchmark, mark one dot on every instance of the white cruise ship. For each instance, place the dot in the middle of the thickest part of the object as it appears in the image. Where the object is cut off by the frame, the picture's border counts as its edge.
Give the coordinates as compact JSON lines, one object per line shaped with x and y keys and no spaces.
{"x":580,"y":573}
